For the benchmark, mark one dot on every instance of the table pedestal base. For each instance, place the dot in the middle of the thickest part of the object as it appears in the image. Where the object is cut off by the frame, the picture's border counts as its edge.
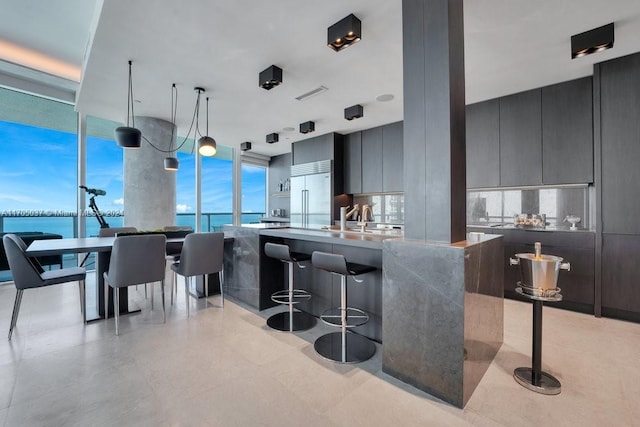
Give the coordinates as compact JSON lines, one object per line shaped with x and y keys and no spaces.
{"x":547,"y":383}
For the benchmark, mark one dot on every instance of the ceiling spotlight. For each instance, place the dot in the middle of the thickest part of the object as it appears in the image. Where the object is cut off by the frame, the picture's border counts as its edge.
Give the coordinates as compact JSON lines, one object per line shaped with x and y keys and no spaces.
{"x":245,"y":146}
{"x":592,"y":41}
{"x":307,"y":127}
{"x":270,"y":78}
{"x":384,"y":97}
{"x":272,"y":137}
{"x":344,"y":33}
{"x":353,"y":112}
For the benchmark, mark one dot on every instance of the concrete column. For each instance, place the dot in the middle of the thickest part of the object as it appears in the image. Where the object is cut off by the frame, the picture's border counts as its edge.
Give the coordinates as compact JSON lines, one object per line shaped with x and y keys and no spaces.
{"x":434,"y":122}
{"x":149,"y":190}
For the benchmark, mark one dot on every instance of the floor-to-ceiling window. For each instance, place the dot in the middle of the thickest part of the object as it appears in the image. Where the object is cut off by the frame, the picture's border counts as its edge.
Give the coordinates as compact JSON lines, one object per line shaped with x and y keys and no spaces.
{"x":217,"y":190}
{"x":254,"y":192}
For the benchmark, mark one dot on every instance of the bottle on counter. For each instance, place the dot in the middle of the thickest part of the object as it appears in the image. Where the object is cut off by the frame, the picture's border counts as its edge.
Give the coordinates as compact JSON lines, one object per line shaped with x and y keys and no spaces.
{"x":280,"y":186}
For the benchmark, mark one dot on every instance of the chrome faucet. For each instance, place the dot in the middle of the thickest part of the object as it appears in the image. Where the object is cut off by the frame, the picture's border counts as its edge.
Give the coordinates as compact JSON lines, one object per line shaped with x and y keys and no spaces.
{"x":367,"y":214}
{"x":353,"y":211}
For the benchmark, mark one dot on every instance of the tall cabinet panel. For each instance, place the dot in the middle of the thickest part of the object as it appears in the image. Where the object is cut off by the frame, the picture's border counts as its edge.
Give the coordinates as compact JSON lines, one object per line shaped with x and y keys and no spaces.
{"x":353,"y":163}
{"x":620,"y":133}
{"x":620,"y":277}
{"x":483,"y":144}
{"x":567,"y":132}
{"x":392,"y":157}
{"x":521,"y":139}
{"x":372,"y":160}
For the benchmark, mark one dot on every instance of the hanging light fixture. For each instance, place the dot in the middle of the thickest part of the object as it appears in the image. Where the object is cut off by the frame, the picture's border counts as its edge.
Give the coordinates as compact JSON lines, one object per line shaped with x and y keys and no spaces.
{"x":171,"y":162}
{"x":126,"y":136}
{"x":206,"y":145}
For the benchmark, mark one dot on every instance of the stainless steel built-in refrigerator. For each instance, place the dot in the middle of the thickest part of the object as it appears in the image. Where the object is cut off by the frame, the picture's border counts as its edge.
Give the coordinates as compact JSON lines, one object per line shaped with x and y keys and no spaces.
{"x":311,"y":194}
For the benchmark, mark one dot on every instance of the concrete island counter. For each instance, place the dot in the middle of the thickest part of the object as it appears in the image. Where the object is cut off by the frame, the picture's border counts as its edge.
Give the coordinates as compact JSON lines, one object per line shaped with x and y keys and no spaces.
{"x":439,"y":306}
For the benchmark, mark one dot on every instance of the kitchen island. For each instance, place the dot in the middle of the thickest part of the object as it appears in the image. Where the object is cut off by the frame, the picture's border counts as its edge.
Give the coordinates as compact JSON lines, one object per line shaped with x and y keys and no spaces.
{"x":251,"y":276}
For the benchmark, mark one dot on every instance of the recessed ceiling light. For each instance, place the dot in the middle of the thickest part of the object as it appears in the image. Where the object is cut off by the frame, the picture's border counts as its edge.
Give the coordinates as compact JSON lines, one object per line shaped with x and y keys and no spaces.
{"x":386,"y":97}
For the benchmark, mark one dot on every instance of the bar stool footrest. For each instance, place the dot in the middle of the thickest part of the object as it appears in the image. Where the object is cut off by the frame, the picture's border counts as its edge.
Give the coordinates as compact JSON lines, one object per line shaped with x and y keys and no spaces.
{"x":295,"y":297}
{"x":355,"y":317}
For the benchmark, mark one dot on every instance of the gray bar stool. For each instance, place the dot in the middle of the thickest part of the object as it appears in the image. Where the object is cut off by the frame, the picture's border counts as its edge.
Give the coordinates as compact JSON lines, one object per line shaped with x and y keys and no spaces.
{"x":342,"y":346}
{"x":289,"y":320}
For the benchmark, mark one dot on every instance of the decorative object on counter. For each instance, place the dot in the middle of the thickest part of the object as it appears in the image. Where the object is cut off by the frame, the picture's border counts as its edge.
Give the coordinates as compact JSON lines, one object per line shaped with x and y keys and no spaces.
{"x":245,"y":146}
{"x":290,"y":320}
{"x":592,"y":41}
{"x":270,"y":77}
{"x":353,"y":112}
{"x":344,"y":33}
{"x":278,"y":212}
{"x":343,"y":346}
{"x":573,"y":220}
{"x":343,"y":218}
{"x":307,"y":127}
{"x":524,"y":220}
{"x":128,"y":136}
{"x":272,"y":137}
{"x":206,"y":145}
{"x":539,"y":278}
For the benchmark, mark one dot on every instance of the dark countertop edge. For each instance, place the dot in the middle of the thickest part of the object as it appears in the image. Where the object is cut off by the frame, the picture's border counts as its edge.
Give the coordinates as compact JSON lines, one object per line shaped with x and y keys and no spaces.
{"x":544,"y":230}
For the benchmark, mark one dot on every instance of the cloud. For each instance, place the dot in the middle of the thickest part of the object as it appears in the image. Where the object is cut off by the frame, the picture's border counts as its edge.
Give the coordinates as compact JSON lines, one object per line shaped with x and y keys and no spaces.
{"x":18,"y":198}
{"x":182,"y":208}
{"x":119,"y":201}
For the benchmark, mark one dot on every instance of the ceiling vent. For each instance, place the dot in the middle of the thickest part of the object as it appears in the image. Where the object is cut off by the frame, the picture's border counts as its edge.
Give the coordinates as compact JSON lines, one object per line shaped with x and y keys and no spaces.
{"x":314,"y":92}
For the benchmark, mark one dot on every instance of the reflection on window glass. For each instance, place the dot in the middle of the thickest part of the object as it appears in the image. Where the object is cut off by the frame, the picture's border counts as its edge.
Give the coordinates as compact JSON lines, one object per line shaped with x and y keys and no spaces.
{"x":186,"y":190}
{"x":254,"y":193}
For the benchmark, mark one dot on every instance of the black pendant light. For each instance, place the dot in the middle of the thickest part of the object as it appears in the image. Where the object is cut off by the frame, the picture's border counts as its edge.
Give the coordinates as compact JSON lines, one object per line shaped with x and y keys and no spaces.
{"x":126,"y":136}
{"x":171,"y":162}
{"x":206,"y":145}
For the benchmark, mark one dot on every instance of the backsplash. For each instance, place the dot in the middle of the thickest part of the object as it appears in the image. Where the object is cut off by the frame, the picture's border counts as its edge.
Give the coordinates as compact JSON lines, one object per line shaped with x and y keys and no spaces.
{"x":500,"y":206}
{"x":387,"y":208}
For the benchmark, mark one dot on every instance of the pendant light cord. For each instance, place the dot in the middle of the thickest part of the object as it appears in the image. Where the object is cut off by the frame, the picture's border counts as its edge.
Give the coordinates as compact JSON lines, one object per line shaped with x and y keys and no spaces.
{"x":130,"y":100}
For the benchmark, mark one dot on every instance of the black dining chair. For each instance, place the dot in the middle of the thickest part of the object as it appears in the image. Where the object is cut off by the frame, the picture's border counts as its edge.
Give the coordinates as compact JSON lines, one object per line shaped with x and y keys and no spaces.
{"x":28,"y":273}
{"x":134,"y":260}
{"x":202,"y":254}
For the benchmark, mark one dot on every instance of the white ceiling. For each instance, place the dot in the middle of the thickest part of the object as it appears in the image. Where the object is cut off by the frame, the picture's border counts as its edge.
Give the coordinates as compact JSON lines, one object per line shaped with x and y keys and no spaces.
{"x":510,"y":46}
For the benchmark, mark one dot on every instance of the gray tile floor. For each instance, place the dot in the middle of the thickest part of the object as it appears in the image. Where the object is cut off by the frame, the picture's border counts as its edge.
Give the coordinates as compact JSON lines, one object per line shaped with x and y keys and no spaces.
{"x":224,"y":367}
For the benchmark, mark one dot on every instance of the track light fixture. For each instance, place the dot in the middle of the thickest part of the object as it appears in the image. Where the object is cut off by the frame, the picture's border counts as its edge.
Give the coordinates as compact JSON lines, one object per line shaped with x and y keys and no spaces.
{"x":353,"y":112}
{"x":592,"y":41}
{"x":344,"y":33}
{"x":272,"y":137}
{"x":245,"y":146}
{"x":270,"y":78}
{"x":307,"y":127}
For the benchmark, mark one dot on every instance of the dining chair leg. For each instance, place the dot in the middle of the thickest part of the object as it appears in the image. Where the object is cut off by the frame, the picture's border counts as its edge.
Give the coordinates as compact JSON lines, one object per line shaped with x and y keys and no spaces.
{"x":116,"y":306}
{"x":83,"y":301}
{"x":172,"y":278}
{"x":221,"y":280}
{"x":145,"y":286}
{"x":164,"y":313}
{"x":206,"y":285}
{"x":186,"y":293}
{"x":16,"y":310}
{"x":145,"y":291}
{"x":106,"y":300}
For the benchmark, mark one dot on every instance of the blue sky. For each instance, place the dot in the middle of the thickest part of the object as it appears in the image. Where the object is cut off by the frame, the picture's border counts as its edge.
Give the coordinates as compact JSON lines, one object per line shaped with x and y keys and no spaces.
{"x":38,"y":172}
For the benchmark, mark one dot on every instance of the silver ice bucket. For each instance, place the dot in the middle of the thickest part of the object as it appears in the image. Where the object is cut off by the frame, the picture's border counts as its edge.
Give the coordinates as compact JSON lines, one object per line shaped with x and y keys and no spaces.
{"x":539,"y":272}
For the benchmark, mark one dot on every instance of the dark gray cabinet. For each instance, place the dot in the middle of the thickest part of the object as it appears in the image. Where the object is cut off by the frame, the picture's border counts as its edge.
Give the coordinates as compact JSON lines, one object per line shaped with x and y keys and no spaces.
{"x":314,"y":149}
{"x":577,"y":285}
{"x":392,"y":157}
{"x":620,"y":136}
{"x":353,"y":163}
{"x":621,"y":276}
{"x":372,"y":160}
{"x":521,"y":139}
{"x":567,"y":132}
{"x":483,"y":144}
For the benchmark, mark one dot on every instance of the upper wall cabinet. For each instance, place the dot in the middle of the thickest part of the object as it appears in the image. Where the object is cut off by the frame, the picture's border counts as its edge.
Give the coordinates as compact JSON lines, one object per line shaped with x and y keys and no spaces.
{"x":392,"y":157}
{"x":521,"y":139}
{"x":483,"y":144}
{"x":567,"y":132}
{"x":353,"y":163}
{"x":620,"y":133}
{"x":372,"y":160}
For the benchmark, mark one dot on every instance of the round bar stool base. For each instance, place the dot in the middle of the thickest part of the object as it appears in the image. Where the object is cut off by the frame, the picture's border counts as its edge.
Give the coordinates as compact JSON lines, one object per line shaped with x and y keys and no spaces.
{"x":548,"y":383}
{"x":301,"y":321}
{"x":357,"y":348}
